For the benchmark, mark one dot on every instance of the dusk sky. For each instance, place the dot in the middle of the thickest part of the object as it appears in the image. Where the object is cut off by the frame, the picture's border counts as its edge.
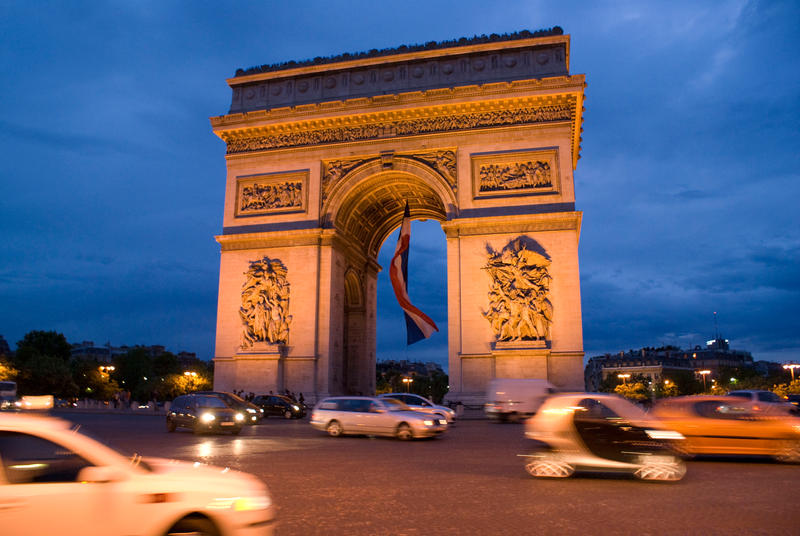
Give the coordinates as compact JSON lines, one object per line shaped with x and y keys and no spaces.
{"x":112,"y":182}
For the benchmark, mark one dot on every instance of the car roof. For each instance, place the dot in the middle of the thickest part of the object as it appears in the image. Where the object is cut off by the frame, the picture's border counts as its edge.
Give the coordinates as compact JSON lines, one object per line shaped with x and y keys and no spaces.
{"x":28,"y":421}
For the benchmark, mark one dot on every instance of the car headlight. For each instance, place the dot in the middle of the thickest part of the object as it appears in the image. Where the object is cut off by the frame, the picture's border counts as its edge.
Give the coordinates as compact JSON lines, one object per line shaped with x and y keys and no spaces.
{"x":239,"y":417}
{"x":250,"y":410}
{"x":241,"y":504}
{"x":664,"y":434}
{"x":296,"y":408}
{"x":427,"y":422}
{"x":207,"y":417}
{"x":442,"y":421}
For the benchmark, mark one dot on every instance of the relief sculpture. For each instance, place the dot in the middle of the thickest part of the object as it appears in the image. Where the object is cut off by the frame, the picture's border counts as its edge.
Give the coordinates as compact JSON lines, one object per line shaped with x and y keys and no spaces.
{"x":334,"y":170}
{"x":519,"y":305}
{"x":444,"y":162}
{"x":265,"y":303}
{"x":517,"y":176}
{"x":261,"y":197}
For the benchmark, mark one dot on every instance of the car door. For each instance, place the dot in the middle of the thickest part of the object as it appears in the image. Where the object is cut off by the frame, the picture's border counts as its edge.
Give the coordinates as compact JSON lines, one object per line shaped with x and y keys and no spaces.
{"x":39,"y":491}
{"x":604,"y":432}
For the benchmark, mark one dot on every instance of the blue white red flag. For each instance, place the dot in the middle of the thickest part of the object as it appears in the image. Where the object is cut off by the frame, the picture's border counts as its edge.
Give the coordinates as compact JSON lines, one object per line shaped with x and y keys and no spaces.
{"x":418,"y":325}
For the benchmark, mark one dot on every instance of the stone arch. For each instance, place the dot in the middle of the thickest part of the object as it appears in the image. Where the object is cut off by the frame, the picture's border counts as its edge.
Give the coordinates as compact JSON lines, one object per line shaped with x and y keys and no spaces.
{"x":366,"y":205}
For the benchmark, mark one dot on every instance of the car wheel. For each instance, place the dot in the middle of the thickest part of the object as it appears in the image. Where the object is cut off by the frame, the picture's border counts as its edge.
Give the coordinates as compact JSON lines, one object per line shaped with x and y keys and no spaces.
{"x":662,"y":471}
{"x":334,"y":429}
{"x":403,"y":432}
{"x":199,"y":526}
{"x":287,"y":414}
{"x":171,"y":425}
{"x":788,"y":452}
{"x":549,"y":467}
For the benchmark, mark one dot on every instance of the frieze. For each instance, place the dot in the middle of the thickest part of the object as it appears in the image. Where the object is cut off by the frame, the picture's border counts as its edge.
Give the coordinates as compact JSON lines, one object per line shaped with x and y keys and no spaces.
{"x":272,"y":193}
{"x":519,"y":301}
{"x":444,"y":162}
{"x":406,"y":127}
{"x":517,"y":173}
{"x":265,"y":303}
{"x":334,"y":170}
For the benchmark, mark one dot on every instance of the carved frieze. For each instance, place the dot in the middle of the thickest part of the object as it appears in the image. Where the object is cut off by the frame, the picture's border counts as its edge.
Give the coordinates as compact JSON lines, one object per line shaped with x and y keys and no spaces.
{"x":403,"y":127}
{"x":519,"y":304}
{"x":272,"y":193}
{"x":443,"y":162}
{"x":517,"y":173}
{"x":265,"y":303}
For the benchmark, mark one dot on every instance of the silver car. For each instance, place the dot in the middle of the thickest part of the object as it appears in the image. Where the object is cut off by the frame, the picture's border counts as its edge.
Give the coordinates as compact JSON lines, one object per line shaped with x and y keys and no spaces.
{"x":366,"y":415}
{"x":420,"y":403}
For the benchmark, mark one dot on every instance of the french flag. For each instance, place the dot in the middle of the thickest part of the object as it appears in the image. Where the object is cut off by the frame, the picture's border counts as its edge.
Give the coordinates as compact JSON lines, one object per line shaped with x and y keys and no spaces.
{"x":418,"y":325}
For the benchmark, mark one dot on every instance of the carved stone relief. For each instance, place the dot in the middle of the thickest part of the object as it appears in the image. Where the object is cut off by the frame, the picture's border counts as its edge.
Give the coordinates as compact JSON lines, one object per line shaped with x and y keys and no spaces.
{"x":283,"y":192}
{"x":519,"y":304}
{"x":442,"y":162}
{"x":404,"y":127}
{"x":518,"y":173}
{"x":265,"y":303}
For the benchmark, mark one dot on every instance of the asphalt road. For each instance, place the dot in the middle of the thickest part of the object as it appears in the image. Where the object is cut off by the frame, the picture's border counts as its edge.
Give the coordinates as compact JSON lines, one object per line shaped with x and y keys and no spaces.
{"x":469,"y":481}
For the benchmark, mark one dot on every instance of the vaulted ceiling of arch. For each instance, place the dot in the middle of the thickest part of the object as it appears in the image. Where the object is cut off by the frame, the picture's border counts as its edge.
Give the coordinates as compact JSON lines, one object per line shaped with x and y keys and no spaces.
{"x":375,"y":207}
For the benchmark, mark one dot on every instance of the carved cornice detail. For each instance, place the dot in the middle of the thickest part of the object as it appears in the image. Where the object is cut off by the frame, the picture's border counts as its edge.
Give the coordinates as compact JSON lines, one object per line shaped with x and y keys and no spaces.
{"x":297,"y":136}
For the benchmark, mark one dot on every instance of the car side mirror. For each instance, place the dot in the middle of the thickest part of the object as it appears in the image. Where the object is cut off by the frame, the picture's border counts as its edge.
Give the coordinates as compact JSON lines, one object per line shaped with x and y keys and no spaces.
{"x":100,"y":474}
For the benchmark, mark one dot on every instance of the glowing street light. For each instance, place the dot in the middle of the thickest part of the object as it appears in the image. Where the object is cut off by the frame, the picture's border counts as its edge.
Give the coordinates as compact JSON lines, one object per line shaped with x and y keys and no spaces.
{"x":704,"y":373}
{"x":791,"y":367}
{"x":408,"y":382}
{"x":623,"y":377}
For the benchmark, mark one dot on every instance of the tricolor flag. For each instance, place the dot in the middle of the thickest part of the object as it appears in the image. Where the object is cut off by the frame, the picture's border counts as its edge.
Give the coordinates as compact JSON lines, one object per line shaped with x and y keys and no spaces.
{"x":418,"y":325}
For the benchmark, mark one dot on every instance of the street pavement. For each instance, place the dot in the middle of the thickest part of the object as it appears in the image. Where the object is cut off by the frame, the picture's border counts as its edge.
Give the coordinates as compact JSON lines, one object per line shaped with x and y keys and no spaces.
{"x":469,"y":481}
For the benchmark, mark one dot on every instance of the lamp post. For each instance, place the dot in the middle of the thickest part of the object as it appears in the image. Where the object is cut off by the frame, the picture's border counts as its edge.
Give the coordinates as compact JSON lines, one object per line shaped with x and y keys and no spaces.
{"x":704,"y":373}
{"x":791,"y":367}
{"x":623,"y":377}
{"x":190,"y":376}
{"x":408,"y":382}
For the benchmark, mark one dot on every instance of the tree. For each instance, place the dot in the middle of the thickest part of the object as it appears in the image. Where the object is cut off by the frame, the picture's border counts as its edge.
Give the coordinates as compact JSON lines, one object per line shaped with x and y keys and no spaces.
{"x":7,"y":370}
{"x":46,"y":375}
{"x":134,"y":372}
{"x":39,"y":343}
{"x":91,"y":382}
{"x":784,"y":389}
{"x":636,"y":391}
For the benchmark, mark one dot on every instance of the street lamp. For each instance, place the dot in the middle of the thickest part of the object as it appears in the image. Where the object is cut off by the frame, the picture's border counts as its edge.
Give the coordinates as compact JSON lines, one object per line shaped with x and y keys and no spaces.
{"x":704,"y":373}
{"x":408,"y":382}
{"x":791,"y":367}
{"x":623,"y":377}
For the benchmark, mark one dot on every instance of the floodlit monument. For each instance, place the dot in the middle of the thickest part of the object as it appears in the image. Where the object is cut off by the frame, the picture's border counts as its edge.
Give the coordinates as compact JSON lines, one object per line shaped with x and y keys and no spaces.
{"x":480,"y":134}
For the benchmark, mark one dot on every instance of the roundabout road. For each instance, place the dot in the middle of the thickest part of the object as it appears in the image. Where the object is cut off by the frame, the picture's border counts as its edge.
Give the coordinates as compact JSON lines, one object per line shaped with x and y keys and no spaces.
{"x":468,"y":481}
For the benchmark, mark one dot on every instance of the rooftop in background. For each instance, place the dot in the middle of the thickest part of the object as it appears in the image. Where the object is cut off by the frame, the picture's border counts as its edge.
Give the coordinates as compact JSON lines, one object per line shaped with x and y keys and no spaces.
{"x":374,"y":53}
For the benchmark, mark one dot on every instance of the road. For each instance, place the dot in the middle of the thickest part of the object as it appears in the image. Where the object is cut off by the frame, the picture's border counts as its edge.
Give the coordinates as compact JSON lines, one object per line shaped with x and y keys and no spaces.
{"x":469,"y":481}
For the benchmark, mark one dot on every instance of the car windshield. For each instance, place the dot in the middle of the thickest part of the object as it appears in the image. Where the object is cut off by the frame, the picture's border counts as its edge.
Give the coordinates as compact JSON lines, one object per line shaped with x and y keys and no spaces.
{"x":210,"y":402}
{"x":392,"y":404}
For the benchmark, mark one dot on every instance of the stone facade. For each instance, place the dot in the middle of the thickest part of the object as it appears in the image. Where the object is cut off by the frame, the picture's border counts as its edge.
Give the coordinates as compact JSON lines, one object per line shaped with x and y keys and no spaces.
{"x":317,"y":182}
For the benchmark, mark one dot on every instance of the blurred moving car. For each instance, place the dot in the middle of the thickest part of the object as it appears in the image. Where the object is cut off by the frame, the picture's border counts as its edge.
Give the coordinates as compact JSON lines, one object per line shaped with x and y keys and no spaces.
{"x":512,"y":399}
{"x":420,"y":403}
{"x":373,"y":416}
{"x":204,"y":413}
{"x":731,"y":425}
{"x":761,"y":398}
{"x":599,"y":432}
{"x":54,"y":480}
{"x":253,"y":414}
{"x":279,"y":405}
{"x":9,"y":403}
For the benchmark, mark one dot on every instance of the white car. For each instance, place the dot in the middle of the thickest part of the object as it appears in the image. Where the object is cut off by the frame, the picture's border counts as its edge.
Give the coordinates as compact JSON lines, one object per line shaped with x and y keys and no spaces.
{"x":54,"y":480}
{"x":420,"y":403}
{"x":363,"y":415}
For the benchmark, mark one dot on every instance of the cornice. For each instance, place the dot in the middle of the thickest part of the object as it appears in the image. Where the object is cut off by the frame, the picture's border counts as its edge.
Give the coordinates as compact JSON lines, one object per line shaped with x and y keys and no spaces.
{"x":498,"y":46}
{"x":558,"y":221}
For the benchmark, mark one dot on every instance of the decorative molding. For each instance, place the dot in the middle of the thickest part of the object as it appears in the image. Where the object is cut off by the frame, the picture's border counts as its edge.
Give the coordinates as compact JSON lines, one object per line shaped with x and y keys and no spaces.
{"x":442,"y":161}
{"x":271,"y":193}
{"x":533,"y":172}
{"x":448,"y":119}
{"x":519,"y":304}
{"x":265,"y":305}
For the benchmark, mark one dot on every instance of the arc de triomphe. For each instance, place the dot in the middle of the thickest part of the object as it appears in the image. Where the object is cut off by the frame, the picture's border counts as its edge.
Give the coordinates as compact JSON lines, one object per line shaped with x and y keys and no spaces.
{"x":479,"y":134}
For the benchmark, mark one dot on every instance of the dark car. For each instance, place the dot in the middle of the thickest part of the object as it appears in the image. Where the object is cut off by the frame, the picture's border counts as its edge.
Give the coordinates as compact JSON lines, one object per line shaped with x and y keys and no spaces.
{"x":280,"y":405}
{"x":204,"y":413}
{"x":253,"y":414}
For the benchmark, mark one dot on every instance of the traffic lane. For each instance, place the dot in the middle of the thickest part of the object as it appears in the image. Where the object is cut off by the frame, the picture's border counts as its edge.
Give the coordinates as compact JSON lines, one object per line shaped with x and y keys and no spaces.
{"x":468,"y":480}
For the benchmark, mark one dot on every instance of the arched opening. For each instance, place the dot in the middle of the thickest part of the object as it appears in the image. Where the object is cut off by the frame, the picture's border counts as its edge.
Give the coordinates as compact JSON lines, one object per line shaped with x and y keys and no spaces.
{"x":365,"y":209}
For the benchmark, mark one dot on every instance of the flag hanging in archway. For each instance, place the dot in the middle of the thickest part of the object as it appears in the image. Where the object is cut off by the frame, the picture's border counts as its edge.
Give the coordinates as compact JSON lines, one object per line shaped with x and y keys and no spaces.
{"x":418,"y":325}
